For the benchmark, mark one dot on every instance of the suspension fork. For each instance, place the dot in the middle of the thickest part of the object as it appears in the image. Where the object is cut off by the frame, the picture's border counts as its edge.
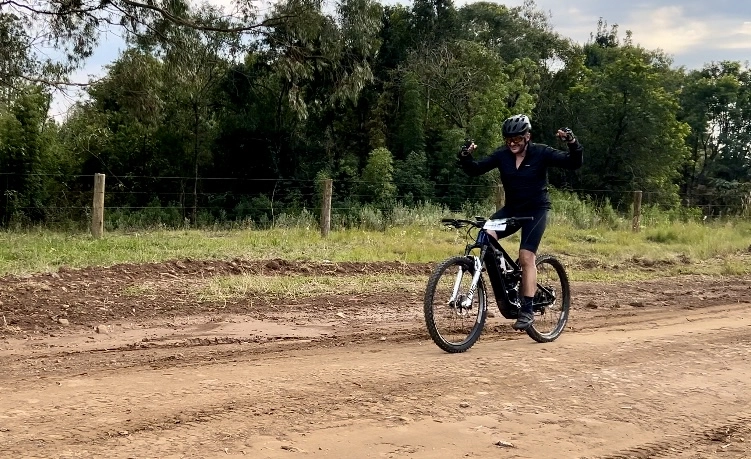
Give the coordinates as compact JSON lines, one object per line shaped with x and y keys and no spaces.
{"x":467,"y":302}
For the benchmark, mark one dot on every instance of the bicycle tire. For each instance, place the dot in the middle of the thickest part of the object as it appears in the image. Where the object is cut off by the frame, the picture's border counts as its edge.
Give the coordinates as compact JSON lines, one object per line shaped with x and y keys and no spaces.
{"x":463,"y":325}
{"x":551,"y":276}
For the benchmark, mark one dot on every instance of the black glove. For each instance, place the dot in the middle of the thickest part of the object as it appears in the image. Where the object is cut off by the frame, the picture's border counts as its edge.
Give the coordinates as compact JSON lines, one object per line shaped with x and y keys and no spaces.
{"x":465,"y":148}
{"x":568,"y":134}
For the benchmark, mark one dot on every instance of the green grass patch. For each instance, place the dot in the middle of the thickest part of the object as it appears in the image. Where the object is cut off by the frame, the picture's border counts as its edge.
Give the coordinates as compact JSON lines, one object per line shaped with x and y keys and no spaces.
{"x":596,"y":244}
{"x":139,"y":290}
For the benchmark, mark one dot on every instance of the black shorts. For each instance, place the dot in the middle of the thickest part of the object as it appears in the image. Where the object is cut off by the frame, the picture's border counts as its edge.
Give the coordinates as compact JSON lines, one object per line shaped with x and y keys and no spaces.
{"x":532,"y":230}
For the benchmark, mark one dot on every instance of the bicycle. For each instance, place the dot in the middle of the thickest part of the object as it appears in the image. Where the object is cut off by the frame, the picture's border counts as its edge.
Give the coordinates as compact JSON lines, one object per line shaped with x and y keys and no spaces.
{"x":457,"y":291}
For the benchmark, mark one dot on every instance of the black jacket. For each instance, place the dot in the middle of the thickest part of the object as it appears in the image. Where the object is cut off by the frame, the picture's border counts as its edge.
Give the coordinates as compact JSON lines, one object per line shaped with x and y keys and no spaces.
{"x":527,"y":187}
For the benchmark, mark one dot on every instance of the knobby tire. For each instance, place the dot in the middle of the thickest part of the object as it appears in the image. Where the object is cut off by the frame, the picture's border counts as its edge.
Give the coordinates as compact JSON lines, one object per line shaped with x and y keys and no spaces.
{"x":549,"y":324}
{"x":451,"y":331}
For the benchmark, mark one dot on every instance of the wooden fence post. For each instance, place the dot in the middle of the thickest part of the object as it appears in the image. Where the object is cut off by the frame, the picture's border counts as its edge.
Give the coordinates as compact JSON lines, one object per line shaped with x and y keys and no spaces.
{"x":636,"y":222}
{"x":97,"y":210}
{"x":326,"y":207}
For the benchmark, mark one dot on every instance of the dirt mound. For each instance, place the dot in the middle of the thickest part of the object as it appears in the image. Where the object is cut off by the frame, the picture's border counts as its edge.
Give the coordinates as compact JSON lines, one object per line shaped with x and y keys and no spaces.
{"x":85,"y":297}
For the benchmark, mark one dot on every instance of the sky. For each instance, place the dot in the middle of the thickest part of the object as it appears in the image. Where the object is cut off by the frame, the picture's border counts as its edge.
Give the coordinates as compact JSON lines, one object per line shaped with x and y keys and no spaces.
{"x":692,"y":32}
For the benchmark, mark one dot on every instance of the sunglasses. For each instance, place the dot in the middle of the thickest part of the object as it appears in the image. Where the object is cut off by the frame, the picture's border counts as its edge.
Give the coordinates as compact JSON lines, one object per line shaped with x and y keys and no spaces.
{"x":514,"y":140}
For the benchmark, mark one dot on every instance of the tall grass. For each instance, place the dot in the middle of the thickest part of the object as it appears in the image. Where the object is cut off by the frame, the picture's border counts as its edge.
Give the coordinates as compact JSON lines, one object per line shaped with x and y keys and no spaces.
{"x":584,"y":234}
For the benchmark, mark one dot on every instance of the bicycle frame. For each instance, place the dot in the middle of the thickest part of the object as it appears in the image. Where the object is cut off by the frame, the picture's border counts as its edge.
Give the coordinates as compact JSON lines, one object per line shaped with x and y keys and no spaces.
{"x":498,"y":263}
{"x":491,"y":252}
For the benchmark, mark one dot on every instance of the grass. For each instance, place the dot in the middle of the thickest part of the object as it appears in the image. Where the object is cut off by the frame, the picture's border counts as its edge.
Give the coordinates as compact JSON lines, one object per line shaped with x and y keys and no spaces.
{"x":139,"y":290}
{"x":604,"y":248}
{"x":666,"y":249}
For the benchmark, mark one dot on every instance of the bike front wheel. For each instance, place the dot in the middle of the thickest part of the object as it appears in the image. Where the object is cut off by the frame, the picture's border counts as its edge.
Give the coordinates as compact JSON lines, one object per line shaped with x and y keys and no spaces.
{"x":552,"y":300}
{"x":453,"y":314}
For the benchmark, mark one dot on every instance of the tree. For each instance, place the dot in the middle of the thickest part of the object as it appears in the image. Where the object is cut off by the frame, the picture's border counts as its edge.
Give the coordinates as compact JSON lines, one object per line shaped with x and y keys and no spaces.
{"x":194,"y":66}
{"x":75,"y":28}
{"x":377,"y":181}
{"x":513,"y":33}
{"x":25,"y":156}
{"x":410,"y":129}
{"x":16,"y":58}
{"x":716,"y":104}
{"x":628,"y":118}
{"x":464,"y":85}
{"x":433,"y":21}
{"x":412,"y":179}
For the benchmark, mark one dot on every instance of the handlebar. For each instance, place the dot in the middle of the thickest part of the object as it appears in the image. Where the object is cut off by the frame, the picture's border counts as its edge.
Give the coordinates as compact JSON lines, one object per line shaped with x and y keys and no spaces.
{"x":479,"y":222}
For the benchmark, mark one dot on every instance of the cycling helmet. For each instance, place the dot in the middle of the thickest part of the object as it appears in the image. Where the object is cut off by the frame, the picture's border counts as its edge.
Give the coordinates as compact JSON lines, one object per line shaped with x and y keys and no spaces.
{"x":516,"y":125}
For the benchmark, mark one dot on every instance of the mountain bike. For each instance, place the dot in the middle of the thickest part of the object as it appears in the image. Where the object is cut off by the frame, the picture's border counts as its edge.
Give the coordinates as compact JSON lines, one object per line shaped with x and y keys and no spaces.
{"x":456,"y":297}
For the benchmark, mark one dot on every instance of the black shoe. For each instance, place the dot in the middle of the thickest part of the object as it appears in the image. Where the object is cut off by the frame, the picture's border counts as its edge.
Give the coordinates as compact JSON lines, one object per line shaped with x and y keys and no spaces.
{"x":524,"y":321}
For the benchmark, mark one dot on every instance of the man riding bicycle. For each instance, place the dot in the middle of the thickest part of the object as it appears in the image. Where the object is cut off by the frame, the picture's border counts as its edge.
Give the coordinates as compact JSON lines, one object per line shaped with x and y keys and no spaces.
{"x":524,"y":174}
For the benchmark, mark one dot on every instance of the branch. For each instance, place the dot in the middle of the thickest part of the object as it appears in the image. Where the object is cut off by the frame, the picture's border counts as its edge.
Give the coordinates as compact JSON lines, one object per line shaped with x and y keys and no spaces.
{"x":55,"y":83}
{"x":51,"y":12}
{"x":210,"y":28}
{"x":269,"y":22}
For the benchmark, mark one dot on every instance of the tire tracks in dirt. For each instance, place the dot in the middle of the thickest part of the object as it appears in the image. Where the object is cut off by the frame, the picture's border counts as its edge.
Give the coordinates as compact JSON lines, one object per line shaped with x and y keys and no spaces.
{"x":291,"y":396}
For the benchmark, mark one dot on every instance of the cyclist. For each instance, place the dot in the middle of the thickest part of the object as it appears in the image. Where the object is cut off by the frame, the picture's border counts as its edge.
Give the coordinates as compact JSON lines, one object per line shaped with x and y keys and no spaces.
{"x":523,"y":166}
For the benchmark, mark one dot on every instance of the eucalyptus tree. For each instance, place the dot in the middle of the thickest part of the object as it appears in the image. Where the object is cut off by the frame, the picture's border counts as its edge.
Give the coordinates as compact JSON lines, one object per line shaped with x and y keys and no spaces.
{"x":26,"y":156}
{"x":321,"y":65}
{"x":522,"y":32}
{"x":195,"y":61}
{"x":290,"y":109}
{"x":465,"y":90}
{"x":74,"y":29}
{"x":716,"y":103}
{"x":16,"y":55}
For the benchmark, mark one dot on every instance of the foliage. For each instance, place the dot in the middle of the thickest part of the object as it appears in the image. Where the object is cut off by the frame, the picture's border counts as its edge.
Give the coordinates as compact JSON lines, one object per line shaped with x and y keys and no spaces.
{"x":716,"y":103}
{"x":377,"y":185}
{"x":212,"y":117}
{"x":628,"y":116}
{"x":28,"y":160}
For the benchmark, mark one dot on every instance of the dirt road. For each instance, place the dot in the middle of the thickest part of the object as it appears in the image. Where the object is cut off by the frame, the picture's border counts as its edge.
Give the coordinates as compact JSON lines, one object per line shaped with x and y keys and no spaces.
{"x":646,"y":369}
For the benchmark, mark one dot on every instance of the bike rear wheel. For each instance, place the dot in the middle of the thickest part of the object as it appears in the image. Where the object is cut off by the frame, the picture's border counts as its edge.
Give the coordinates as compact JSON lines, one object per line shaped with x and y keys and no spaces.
{"x":552,"y":300}
{"x":454,"y":324}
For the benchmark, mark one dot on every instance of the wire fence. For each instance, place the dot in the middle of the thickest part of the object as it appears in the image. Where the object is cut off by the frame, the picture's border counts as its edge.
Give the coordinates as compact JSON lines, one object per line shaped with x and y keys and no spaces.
{"x":174,"y":200}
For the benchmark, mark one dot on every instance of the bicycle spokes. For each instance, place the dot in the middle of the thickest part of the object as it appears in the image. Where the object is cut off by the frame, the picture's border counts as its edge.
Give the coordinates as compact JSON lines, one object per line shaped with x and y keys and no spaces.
{"x":551,"y":301}
{"x":544,"y":297}
{"x":455,"y":304}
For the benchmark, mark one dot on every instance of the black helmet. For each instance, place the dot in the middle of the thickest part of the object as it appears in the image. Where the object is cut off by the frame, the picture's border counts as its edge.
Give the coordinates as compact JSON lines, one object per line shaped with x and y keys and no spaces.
{"x":516,"y":125}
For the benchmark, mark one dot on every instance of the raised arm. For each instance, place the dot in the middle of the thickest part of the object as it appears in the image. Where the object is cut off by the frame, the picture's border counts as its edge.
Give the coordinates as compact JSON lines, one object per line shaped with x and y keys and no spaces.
{"x":573,"y":159}
{"x":479,"y":167}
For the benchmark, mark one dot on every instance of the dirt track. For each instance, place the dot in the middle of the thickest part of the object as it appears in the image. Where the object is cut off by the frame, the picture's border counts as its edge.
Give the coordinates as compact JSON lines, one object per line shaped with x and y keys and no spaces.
{"x":646,"y":369}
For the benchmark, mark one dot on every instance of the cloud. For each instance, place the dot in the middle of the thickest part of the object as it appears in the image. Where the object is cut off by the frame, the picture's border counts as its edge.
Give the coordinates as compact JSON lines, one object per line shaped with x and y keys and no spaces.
{"x":738,"y":37}
{"x":668,"y":28}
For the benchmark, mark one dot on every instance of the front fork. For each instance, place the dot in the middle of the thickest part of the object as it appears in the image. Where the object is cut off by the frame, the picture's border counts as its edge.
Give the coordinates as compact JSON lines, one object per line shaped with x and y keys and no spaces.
{"x":465,"y":301}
